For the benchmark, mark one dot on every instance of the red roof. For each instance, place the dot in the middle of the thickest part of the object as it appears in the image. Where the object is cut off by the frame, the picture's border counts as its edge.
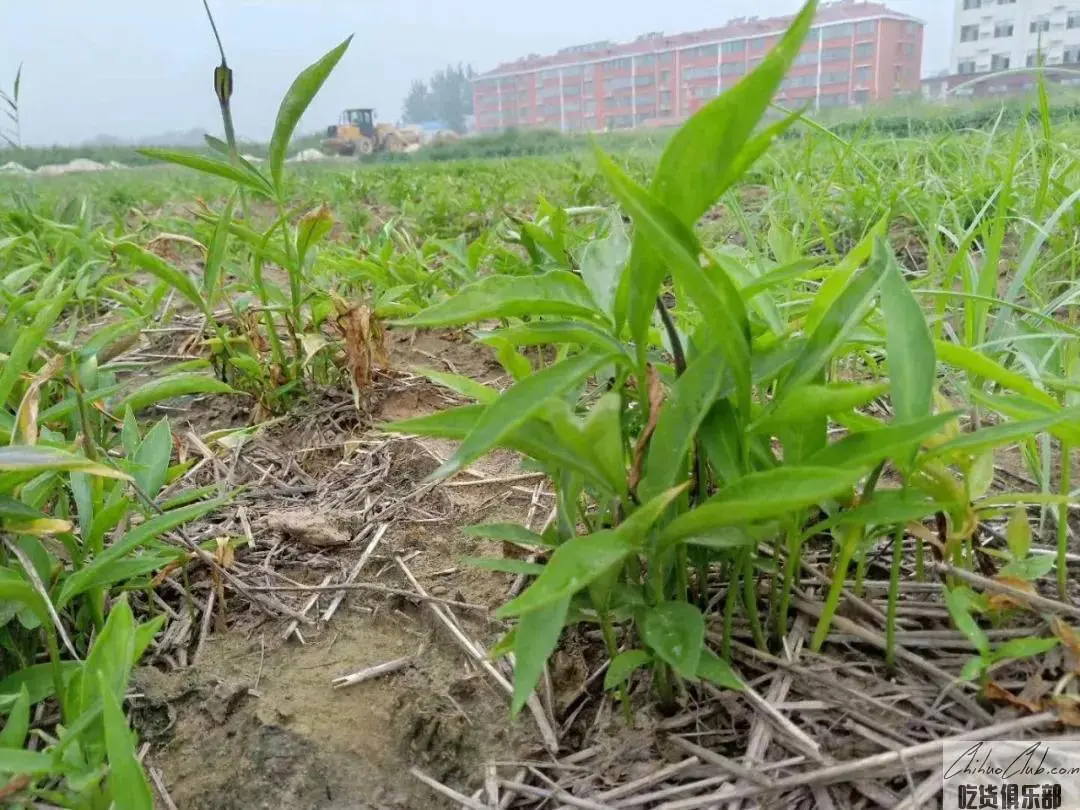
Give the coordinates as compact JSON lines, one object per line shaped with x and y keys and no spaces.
{"x":835,"y":12}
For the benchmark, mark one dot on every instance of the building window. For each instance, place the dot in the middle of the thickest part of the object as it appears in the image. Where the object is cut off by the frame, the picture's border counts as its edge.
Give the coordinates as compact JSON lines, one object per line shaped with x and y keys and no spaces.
{"x":966,"y":67}
{"x":840,"y":31}
{"x":864,"y":51}
{"x":1074,"y":21}
{"x":665,"y":76}
{"x":612,"y":65}
{"x":835,"y":77}
{"x":1006,"y":2}
{"x":572,"y":72}
{"x":836,"y":55}
{"x":806,"y":58}
{"x":738,"y":46}
{"x":865,"y":27}
{"x":999,"y":61}
{"x":862,"y":75}
{"x":572,"y":90}
{"x":645,"y":61}
{"x":1033,"y":59}
{"x":644,"y":79}
{"x":587,"y":87}
{"x":1039,"y":26}
{"x":970,"y":33}
{"x":906,"y":49}
{"x":617,"y":83}
{"x":732,"y":69}
{"x":970,"y":4}
{"x":1003,"y":30}
{"x":699,"y":73}
{"x":910,"y":28}
{"x":862,"y":96}
{"x":667,"y":57}
{"x":665,"y":99}
{"x":757,"y":44}
{"x":1071,"y":56}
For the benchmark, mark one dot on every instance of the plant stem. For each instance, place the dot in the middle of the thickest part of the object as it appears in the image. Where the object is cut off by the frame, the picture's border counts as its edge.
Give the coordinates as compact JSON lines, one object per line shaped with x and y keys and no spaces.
{"x":894,"y":594}
{"x":750,"y":598}
{"x":1065,"y":463}
{"x":730,"y":599}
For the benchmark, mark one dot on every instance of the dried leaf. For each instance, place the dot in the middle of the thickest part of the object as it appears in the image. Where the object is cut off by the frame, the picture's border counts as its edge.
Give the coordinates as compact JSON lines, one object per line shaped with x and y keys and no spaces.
{"x":26,"y":418}
{"x":1004,"y":601}
{"x":1069,"y":638}
{"x":364,"y":347}
{"x":224,"y":553}
{"x":995,"y":692}
{"x":656,"y":402}
{"x":1068,"y":710}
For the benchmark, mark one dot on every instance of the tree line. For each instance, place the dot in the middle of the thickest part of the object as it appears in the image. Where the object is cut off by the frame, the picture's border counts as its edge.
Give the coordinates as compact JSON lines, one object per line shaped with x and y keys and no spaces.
{"x":445,"y":97}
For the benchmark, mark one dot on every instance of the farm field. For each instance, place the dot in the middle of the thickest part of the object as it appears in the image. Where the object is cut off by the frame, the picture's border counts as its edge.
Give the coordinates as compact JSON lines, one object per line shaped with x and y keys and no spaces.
{"x":725,"y":470}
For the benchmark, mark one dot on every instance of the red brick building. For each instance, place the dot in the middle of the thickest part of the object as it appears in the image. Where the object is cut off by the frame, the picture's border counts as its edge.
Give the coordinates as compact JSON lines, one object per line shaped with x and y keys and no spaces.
{"x":856,"y":53}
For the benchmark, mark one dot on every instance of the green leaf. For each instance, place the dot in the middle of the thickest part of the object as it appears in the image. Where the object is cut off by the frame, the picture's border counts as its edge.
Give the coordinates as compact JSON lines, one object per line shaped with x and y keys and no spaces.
{"x":215,"y":254}
{"x":466,"y":386}
{"x":295,"y":103}
{"x":572,"y":566}
{"x":759,"y":496}
{"x":810,"y":402}
{"x":704,"y":158}
{"x":505,"y":565}
{"x":958,"y":602}
{"x":13,"y":510}
{"x":127,"y":782}
{"x":209,"y":165}
{"x":886,"y":508}
{"x":684,"y":410}
{"x":602,"y":262}
{"x":517,"y":405}
{"x":602,"y":435}
{"x":37,"y":679}
{"x":1018,"y":533}
{"x":1002,"y":434}
{"x":675,"y":632}
{"x":1023,"y":648}
{"x":151,"y":458}
{"x":157,"y":266}
{"x":716,"y":670}
{"x":509,"y":533}
{"x":540,"y":333}
{"x":846,"y":313}
{"x":556,"y":292}
{"x":622,"y":666}
{"x":18,"y":760}
{"x":38,"y":458}
{"x":1029,"y":569}
{"x":102,"y":569}
{"x":29,"y":342}
{"x":17,"y":723}
{"x":537,"y":635}
{"x":837,"y":280}
{"x":312,"y":228}
{"x":175,"y":385}
{"x":910,"y":347}
{"x":871,"y":446}
{"x":714,"y":294}
{"x":977,"y":364}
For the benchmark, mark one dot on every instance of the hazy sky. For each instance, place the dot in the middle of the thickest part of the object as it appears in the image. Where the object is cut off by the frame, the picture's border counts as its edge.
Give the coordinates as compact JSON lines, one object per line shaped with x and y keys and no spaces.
{"x":142,"y":67}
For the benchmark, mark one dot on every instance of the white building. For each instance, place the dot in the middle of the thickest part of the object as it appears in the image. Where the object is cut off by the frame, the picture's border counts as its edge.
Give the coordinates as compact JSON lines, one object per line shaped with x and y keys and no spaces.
{"x":991,"y":35}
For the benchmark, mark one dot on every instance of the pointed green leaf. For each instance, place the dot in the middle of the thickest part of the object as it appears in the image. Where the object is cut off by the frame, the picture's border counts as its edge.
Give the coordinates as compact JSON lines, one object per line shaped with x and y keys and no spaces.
{"x":759,"y":496}
{"x":572,"y":566}
{"x":299,"y":96}
{"x":537,"y":635}
{"x":1023,"y":648}
{"x":713,"y":294}
{"x":557,"y":293}
{"x":238,"y":173}
{"x":127,"y":783}
{"x":540,"y":333}
{"x":1002,"y":434}
{"x":505,"y":565}
{"x":466,"y":386}
{"x":910,"y":347}
{"x":846,"y":313}
{"x":1029,"y":569}
{"x":151,"y":458}
{"x":977,"y":364}
{"x":871,"y":446}
{"x":675,"y":632}
{"x":517,"y":405}
{"x":958,"y":604}
{"x":810,"y":402}
{"x":215,"y":254}
{"x":19,"y":760}
{"x":508,"y":533}
{"x":157,"y":266}
{"x":622,"y":666}
{"x":17,"y":723}
{"x":24,"y":458}
{"x":175,"y":385}
{"x":716,"y":670}
{"x":602,"y":262}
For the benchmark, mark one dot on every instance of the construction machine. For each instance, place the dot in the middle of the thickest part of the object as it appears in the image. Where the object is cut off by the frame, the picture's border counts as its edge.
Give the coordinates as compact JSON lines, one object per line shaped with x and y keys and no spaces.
{"x":358,"y":134}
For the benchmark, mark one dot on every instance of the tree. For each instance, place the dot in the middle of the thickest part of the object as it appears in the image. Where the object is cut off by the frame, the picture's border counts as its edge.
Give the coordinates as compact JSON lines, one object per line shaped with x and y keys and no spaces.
{"x":447,"y":97}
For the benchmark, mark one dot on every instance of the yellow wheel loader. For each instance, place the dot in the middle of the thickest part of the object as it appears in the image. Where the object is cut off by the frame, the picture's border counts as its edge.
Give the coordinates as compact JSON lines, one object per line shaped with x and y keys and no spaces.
{"x":358,"y":134}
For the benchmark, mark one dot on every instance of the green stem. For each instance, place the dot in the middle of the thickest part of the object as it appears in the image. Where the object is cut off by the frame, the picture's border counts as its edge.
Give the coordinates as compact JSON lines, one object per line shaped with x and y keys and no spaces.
{"x":894,"y":593}
{"x":750,"y":599}
{"x":1063,"y":520}
{"x":794,"y":554}
{"x":839,"y":573}
{"x":608,"y":631}
{"x":730,"y":600}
